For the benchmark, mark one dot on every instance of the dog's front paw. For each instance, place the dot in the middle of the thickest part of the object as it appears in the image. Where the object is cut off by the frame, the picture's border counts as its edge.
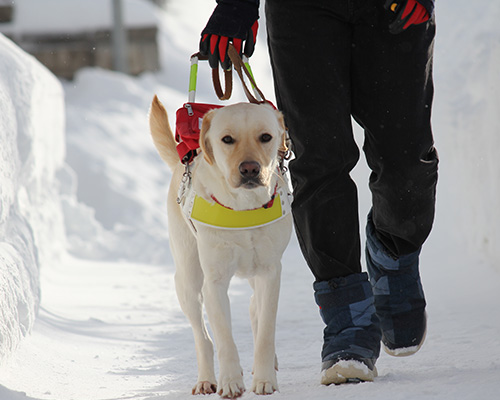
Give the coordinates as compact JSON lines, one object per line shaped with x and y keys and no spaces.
{"x":205,"y":387}
{"x":264,"y":386}
{"x":231,"y":387}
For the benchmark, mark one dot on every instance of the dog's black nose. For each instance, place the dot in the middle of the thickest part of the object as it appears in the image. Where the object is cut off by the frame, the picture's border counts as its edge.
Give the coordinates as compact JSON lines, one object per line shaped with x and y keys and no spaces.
{"x":249,"y":169}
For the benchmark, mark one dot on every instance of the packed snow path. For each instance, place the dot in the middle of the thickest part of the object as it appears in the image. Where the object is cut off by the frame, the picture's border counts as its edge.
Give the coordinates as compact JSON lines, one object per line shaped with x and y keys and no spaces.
{"x":115,"y":331}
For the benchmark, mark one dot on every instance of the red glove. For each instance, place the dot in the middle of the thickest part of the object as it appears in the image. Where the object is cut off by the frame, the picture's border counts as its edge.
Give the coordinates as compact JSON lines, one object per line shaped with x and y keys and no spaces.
{"x":232,"y":21}
{"x":408,"y":12}
{"x":215,"y":46}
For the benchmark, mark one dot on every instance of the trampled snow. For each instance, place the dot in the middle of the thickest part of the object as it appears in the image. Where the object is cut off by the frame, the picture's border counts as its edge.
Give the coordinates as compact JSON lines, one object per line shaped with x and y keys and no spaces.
{"x":85,"y":208}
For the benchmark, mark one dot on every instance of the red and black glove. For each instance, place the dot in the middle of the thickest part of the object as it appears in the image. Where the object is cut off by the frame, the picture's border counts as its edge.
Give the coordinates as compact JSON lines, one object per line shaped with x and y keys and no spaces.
{"x":232,"y":21}
{"x":407,"y":13}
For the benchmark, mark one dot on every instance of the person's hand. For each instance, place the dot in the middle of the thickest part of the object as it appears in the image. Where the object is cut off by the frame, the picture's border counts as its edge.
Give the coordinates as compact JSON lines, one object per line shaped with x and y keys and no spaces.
{"x":408,"y":12}
{"x":232,"y":21}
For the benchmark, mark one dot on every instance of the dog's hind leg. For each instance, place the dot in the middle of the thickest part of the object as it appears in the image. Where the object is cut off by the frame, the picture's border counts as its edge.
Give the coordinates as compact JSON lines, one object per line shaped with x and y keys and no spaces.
{"x":189,"y":283}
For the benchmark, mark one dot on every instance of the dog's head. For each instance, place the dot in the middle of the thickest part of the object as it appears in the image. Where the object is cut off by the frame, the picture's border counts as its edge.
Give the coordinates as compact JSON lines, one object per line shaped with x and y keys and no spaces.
{"x":243,"y":141}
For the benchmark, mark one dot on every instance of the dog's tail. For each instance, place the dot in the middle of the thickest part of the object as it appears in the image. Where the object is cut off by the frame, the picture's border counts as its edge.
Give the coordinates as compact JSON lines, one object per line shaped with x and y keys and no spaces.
{"x":163,"y":137}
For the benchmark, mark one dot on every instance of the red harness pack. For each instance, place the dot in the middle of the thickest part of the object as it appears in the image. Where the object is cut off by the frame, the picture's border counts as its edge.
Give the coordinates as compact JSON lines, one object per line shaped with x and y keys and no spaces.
{"x":187,"y":128}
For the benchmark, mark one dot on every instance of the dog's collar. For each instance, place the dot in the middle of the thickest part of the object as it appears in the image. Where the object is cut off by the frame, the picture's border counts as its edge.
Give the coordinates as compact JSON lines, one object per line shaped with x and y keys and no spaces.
{"x":269,"y":204}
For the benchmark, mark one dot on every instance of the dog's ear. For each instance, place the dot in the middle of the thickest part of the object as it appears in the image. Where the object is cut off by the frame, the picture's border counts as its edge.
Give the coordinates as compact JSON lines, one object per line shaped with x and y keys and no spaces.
{"x":283,"y":144}
{"x":205,"y":145}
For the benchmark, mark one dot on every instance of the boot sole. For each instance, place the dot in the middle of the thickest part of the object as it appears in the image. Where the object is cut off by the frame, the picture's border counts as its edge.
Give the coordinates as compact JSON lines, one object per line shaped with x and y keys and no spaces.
{"x":346,"y":371}
{"x":405,"y":351}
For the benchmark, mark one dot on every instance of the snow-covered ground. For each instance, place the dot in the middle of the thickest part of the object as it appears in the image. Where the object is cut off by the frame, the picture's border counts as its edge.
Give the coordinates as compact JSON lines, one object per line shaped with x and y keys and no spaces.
{"x":109,"y":326}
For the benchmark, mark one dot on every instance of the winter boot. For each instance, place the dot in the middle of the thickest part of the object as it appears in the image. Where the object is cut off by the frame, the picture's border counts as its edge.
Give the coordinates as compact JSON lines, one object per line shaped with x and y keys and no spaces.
{"x":399,"y":296}
{"x":352,"y":334}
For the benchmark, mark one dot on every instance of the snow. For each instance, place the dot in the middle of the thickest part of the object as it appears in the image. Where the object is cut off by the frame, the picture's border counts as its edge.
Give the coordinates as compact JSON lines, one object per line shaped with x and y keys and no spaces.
{"x":82,"y":217}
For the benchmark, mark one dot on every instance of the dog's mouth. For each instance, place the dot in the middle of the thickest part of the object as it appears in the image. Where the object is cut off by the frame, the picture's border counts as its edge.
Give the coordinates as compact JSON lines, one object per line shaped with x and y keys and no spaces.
{"x":251,"y":183}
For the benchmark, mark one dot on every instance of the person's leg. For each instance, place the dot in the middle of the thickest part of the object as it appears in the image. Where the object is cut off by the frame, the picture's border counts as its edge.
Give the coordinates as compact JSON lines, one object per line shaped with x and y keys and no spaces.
{"x":392,"y":98}
{"x":399,"y":296}
{"x":310,"y":48}
{"x":310,"y":53}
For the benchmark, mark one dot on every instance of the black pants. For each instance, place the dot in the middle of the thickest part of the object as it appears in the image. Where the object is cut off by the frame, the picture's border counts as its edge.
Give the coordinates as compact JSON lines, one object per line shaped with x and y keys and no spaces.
{"x":333,"y":59}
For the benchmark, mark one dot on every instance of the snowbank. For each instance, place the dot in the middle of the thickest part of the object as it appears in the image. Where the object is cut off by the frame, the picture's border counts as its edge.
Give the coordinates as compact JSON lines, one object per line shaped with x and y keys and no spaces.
{"x":467,"y":123}
{"x":117,"y":209}
{"x":31,"y":152}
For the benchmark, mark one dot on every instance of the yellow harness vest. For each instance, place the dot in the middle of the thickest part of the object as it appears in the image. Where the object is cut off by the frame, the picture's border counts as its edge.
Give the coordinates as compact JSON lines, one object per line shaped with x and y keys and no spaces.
{"x":214,"y":214}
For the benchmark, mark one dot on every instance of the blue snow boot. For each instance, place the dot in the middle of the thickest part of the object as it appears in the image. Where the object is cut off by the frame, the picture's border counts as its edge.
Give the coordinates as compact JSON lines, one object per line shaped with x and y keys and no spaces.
{"x":352,"y":334}
{"x":399,"y":296}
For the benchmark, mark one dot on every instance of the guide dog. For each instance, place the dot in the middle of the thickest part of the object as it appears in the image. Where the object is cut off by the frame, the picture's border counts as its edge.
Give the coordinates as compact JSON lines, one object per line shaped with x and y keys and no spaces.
{"x":237,"y":174}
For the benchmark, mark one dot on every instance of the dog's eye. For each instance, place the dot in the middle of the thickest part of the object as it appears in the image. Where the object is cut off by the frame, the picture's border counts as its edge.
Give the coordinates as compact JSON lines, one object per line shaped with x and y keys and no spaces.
{"x":228,"y":139}
{"x":265,"y":137}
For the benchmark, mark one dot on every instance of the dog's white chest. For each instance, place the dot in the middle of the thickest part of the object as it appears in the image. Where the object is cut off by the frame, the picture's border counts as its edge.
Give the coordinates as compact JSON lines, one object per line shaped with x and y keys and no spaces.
{"x":242,"y":253}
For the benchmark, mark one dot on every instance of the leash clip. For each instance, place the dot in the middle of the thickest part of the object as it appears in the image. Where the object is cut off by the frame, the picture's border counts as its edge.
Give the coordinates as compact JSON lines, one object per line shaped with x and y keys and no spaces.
{"x":185,"y":184}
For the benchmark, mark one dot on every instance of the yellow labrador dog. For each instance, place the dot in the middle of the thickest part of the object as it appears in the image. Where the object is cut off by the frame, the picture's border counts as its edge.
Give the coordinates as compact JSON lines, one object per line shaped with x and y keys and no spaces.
{"x":230,"y":217}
